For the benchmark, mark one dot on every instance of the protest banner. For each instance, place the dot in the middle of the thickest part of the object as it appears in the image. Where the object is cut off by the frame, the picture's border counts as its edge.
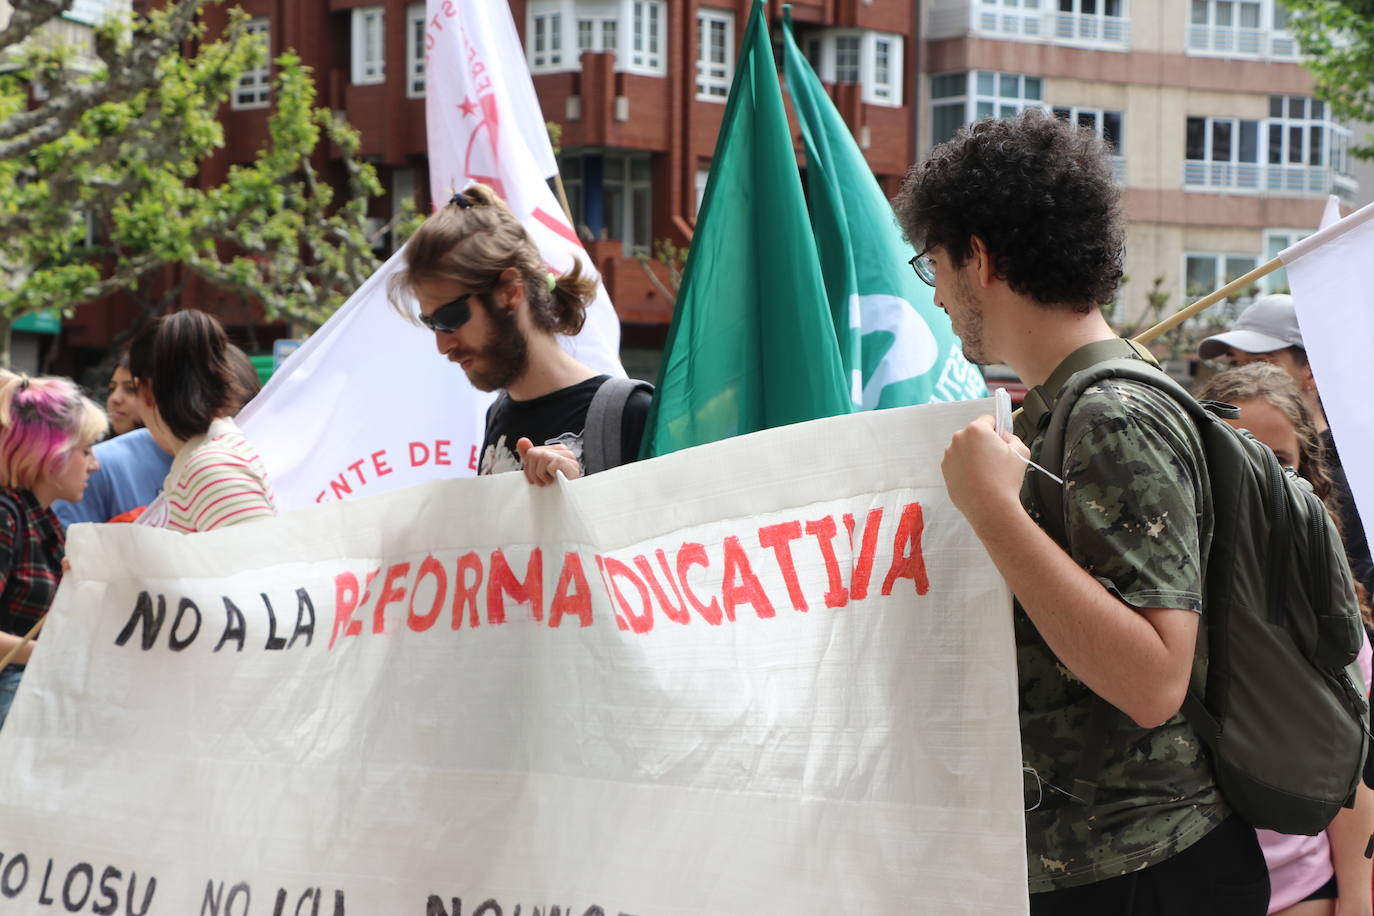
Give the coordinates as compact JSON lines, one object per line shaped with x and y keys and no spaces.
{"x":789,"y":688}
{"x":367,"y":405}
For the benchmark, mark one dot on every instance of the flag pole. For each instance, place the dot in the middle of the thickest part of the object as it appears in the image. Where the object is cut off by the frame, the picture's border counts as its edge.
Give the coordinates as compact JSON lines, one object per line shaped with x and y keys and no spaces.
{"x":563,"y":198}
{"x":28,"y":638}
{"x":1206,"y":302}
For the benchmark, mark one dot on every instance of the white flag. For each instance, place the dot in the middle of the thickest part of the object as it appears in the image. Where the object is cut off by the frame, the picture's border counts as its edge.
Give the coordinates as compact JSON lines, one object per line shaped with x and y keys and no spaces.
{"x":485,"y":125}
{"x":1332,"y":275}
{"x":368,"y":404}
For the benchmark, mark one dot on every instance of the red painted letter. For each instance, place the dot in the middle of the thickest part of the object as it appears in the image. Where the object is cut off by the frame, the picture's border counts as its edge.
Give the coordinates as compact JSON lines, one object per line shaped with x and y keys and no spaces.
{"x":739,"y":584}
{"x":639,"y":623}
{"x":345,"y":603}
{"x":464,"y":592}
{"x":390,"y":593}
{"x":677,"y":613}
{"x":907,"y":560}
{"x":863,"y":563}
{"x":502,"y":581}
{"x":823,"y":530}
{"x":779,"y":539}
{"x":573,"y":595}
{"x":420,"y":623}
{"x":689,"y":555}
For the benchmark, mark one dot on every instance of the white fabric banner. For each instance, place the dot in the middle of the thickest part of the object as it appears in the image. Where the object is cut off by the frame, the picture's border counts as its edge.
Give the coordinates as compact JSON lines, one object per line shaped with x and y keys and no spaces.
{"x":789,"y":688}
{"x":368,"y":404}
{"x":1331,"y":274}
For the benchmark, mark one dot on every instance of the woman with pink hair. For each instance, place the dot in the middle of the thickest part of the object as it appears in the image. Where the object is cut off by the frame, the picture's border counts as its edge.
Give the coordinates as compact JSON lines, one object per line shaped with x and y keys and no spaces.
{"x":47,"y":429}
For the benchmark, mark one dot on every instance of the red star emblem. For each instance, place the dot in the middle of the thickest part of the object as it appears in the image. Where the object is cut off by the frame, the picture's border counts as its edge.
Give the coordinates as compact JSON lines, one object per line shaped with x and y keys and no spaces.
{"x":467,"y":108}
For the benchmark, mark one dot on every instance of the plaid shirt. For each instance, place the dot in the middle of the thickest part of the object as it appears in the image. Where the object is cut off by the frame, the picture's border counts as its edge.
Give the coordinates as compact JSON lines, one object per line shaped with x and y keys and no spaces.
{"x":31,"y":551}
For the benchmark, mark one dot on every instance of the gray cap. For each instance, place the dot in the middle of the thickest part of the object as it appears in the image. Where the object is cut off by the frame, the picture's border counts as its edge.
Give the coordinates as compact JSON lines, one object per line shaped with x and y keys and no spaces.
{"x":1268,"y":325}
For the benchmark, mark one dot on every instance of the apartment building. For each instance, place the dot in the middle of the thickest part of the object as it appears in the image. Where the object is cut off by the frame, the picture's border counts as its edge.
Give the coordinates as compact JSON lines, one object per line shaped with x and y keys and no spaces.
{"x":1223,"y":154}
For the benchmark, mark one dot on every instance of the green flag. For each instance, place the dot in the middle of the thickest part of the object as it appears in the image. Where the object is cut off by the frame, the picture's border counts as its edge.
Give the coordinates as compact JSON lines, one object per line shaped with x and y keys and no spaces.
{"x":751,"y":345}
{"x":897,"y":347}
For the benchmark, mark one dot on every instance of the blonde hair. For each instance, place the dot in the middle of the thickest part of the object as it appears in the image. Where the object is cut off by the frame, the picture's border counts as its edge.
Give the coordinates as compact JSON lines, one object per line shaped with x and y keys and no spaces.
{"x":42,"y":421}
{"x":474,"y":238}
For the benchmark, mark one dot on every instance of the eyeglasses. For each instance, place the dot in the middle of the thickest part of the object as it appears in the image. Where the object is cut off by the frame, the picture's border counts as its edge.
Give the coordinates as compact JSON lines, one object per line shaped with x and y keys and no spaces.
{"x":924,"y":265}
{"x":450,"y":316}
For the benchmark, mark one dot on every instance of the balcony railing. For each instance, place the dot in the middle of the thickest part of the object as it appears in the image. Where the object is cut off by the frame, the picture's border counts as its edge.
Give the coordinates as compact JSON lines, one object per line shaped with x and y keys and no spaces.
{"x":1093,"y":30}
{"x":1264,"y":178}
{"x":1235,"y":41}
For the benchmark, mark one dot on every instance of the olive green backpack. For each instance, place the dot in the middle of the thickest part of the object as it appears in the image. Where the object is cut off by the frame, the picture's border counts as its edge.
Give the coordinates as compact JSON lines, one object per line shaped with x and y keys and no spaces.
{"x":1283,"y":708}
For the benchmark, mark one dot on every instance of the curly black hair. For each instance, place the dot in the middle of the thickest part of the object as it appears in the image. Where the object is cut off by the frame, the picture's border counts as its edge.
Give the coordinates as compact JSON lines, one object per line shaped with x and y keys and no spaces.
{"x":1040,"y":194}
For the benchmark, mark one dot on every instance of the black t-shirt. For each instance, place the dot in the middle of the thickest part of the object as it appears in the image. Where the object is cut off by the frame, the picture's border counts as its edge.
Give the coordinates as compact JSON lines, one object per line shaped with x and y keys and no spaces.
{"x":1352,"y":532}
{"x":557,"y":417}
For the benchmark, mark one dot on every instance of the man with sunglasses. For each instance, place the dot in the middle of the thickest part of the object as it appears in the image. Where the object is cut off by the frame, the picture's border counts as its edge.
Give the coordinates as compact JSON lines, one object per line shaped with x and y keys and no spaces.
{"x":497,"y":311}
{"x":1020,"y":231}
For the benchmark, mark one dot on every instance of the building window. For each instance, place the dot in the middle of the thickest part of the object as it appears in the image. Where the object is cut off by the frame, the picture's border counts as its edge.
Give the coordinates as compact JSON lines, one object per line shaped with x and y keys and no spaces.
{"x":1204,"y":272}
{"x":611,"y":195}
{"x":847,"y":59}
{"x":1295,"y":151}
{"x":1092,"y":21}
{"x":415,"y":50}
{"x":1240,"y":28}
{"x":960,"y":98}
{"x":871,"y":59}
{"x":369,"y":54}
{"x":598,"y":26}
{"x":1275,"y":240}
{"x":1106,"y":126}
{"x":648,"y":22}
{"x":254,"y":88}
{"x":634,"y":31}
{"x":702,"y":177}
{"x":715,"y":54}
{"x":545,"y":36}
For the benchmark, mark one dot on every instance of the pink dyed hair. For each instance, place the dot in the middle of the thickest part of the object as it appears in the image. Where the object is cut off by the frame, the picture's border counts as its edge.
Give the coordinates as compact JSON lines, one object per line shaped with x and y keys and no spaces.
{"x":42,"y":421}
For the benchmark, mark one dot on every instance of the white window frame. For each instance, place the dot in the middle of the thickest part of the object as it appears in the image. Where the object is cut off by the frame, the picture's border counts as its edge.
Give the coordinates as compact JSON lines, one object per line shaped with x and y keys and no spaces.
{"x":545,"y":36}
{"x":1275,"y":240}
{"x":714,"y":74}
{"x":648,"y":37}
{"x":254,"y":88}
{"x":825,"y":46}
{"x":368,"y":35}
{"x":1098,"y":121}
{"x":1266,"y":39}
{"x":978,"y":104}
{"x":415,"y":51}
{"x":1230,"y":308}
{"x":638,"y":36}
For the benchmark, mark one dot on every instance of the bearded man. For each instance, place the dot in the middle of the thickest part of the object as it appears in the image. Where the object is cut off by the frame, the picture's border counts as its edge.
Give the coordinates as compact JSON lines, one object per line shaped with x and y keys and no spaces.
{"x":496,"y":310}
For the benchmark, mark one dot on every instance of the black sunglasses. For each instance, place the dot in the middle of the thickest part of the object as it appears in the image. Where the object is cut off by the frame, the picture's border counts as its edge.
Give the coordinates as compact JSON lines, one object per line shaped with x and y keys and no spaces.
{"x":450,"y":316}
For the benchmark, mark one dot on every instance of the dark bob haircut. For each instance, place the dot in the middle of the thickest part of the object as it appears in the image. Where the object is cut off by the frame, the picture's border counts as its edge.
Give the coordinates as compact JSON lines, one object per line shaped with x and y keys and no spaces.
{"x":185,"y":358}
{"x":1038,"y":192}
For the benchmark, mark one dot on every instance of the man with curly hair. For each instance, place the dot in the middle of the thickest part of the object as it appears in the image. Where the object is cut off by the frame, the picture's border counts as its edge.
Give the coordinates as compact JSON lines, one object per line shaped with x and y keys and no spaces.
{"x":1019,"y":230}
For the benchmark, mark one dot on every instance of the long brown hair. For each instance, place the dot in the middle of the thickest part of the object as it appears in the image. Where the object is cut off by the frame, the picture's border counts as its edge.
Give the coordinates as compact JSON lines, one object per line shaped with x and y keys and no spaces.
{"x":1261,"y":381}
{"x":471,"y":241}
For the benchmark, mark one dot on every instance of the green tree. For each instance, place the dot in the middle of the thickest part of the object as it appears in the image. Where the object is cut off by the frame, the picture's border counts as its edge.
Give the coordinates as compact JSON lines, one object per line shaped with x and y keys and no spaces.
{"x":1337,"y":38}
{"x":100,"y":155}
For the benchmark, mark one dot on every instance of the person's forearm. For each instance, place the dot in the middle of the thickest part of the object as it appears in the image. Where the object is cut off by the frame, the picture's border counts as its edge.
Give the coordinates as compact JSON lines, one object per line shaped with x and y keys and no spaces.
{"x":1349,"y":835}
{"x":1114,"y":649}
{"x":8,"y":641}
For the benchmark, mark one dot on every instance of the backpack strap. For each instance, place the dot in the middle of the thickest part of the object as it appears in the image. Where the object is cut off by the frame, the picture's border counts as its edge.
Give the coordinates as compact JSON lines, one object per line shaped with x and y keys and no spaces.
{"x":601,"y":436}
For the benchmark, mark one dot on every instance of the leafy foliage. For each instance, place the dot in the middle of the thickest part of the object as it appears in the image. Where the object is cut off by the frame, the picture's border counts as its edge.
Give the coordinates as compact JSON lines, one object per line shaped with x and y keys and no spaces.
{"x":1337,"y":37}
{"x":100,"y":158}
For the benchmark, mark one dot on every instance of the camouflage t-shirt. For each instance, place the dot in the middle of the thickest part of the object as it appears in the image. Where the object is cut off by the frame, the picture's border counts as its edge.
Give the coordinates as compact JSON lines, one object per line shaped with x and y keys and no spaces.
{"x":1138,"y":518}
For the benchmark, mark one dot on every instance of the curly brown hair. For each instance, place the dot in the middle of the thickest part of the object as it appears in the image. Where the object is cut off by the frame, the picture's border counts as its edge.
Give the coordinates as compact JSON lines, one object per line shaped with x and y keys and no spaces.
{"x":1040,"y":194}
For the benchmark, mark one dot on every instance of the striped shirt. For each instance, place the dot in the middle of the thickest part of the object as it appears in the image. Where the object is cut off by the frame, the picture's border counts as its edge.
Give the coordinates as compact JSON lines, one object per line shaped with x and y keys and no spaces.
{"x":217,"y":480}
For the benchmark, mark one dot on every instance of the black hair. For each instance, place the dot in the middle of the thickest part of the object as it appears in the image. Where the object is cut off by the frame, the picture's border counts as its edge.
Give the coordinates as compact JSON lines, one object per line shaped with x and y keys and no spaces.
{"x":184,"y":356}
{"x":1040,"y":194}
